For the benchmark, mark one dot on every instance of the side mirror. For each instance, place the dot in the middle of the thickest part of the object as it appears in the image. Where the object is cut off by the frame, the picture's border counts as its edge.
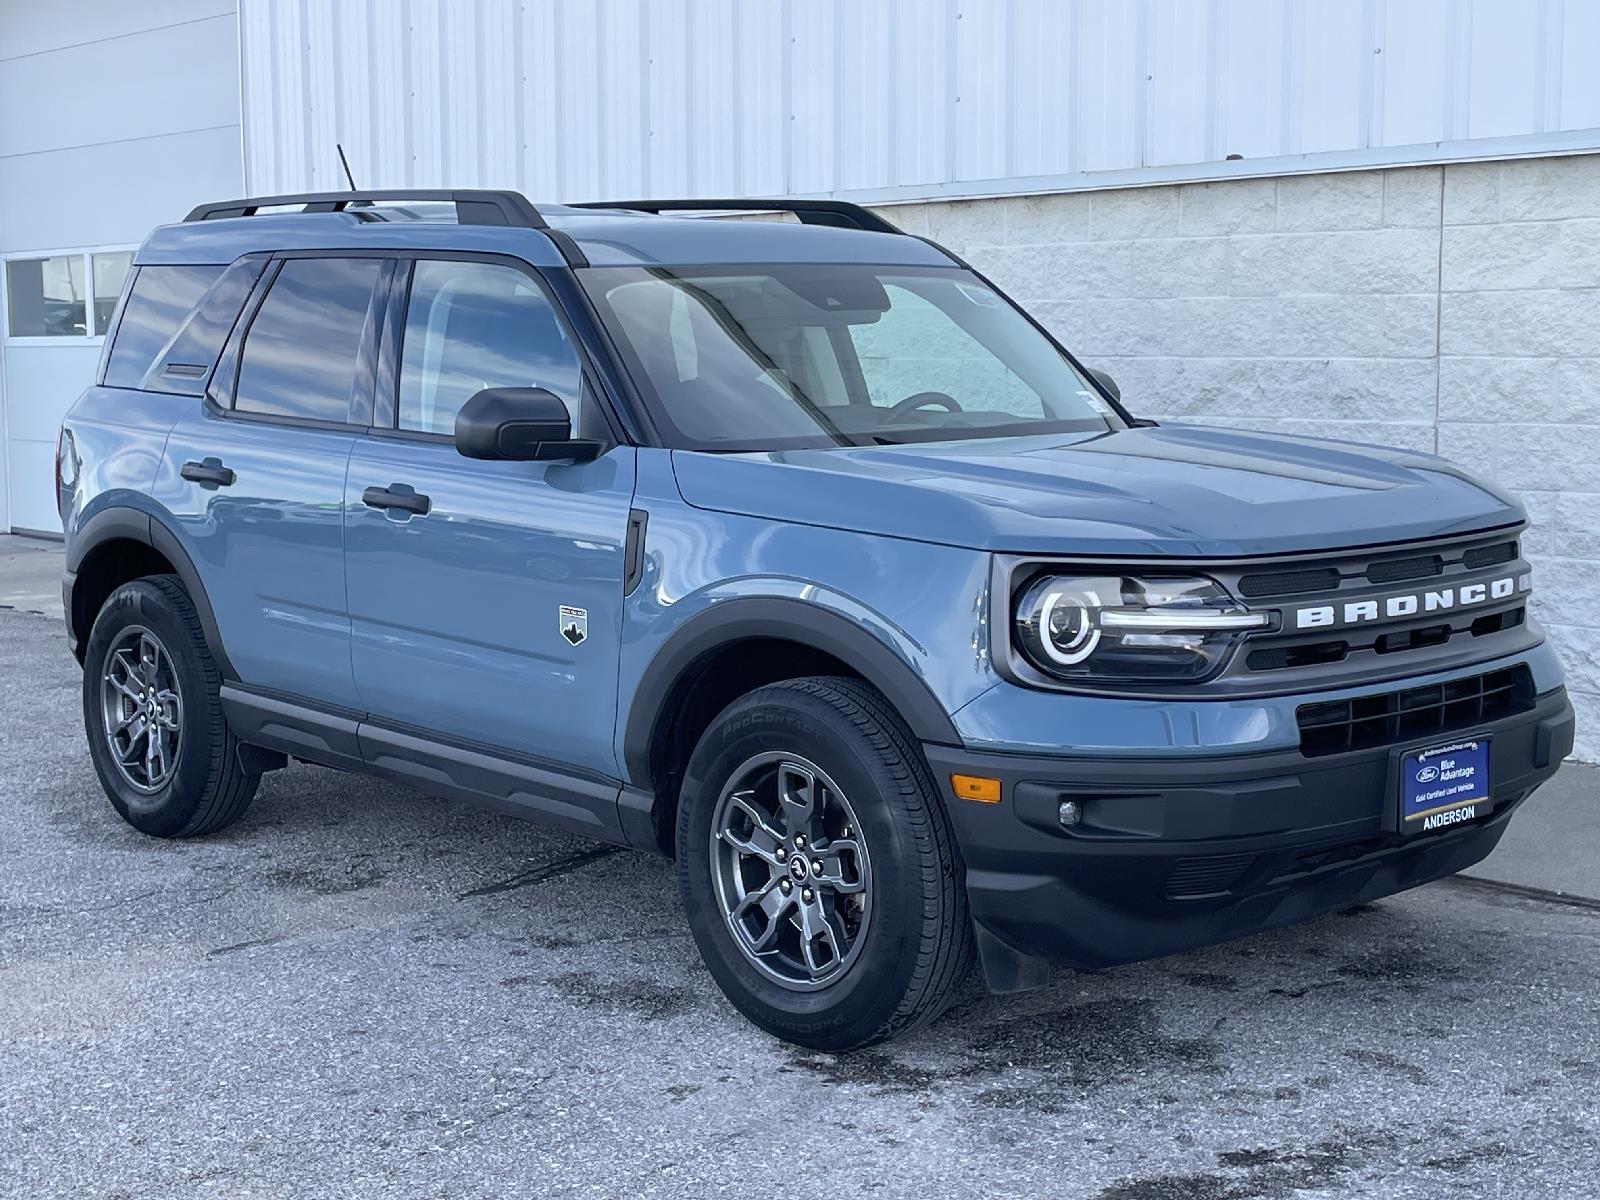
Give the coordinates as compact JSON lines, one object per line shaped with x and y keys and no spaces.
{"x":1108,"y":383}
{"x":520,"y":424}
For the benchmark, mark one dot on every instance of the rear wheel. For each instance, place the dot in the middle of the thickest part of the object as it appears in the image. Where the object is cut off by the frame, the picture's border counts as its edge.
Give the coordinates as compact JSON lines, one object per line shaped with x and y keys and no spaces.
{"x":153,"y":714}
{"x":817,"y":867}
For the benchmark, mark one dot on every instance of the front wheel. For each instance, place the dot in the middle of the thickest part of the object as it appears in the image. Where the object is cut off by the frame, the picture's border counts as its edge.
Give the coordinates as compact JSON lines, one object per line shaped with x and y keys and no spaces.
{"x":817,"y":866}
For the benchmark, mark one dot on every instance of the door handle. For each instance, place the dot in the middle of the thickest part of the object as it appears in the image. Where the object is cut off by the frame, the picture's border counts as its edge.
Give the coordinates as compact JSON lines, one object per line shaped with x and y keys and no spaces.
{"x":407,"y":501}
{"x":210,"y":471}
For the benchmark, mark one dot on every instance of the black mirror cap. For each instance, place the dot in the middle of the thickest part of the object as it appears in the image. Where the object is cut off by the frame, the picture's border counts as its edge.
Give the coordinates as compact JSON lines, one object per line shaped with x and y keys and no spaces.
{"x":520,"y":425}
{"x":1108,"y":384}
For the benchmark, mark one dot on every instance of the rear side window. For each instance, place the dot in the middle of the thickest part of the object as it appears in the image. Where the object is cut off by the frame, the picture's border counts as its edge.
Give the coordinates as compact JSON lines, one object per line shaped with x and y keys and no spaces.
{"x":158,"y":305}
{"x":303,"y":349}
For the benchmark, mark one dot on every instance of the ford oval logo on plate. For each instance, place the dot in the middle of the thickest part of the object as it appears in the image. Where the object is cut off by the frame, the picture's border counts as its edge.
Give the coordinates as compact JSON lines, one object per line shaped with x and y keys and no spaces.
{"x":1427,"y":774}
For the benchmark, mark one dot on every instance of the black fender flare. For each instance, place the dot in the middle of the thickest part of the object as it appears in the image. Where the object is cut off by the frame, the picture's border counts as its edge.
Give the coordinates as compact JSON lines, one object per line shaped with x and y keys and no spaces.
{"x":122,"y":523}
{"x":735,"y":620}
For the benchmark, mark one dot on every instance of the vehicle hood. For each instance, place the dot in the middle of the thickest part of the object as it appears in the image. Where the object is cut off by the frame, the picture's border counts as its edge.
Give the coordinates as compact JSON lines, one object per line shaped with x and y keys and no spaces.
{"x":1169,"y":490}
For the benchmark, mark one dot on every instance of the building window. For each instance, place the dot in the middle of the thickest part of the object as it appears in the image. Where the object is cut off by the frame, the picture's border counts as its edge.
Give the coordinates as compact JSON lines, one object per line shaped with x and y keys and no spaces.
{"x":45,"y":297}
{"x":110,"y":270}
{"x":63,"y":296}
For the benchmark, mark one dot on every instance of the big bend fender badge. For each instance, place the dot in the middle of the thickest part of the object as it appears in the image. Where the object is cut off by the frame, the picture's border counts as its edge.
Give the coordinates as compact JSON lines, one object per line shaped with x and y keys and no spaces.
{"x":573,"y":623}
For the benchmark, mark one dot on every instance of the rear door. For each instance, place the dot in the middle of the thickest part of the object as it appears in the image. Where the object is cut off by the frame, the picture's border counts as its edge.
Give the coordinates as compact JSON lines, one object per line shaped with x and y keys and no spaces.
{"x":488,"y":611}
{"x":255,"y":474}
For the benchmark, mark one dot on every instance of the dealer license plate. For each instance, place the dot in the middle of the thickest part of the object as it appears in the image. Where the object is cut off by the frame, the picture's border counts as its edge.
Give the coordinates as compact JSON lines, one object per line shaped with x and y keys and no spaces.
{"x":1443,"y":786}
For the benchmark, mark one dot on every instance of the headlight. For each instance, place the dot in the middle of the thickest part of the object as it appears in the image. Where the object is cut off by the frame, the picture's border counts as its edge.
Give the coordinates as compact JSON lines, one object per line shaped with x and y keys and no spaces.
{"x":1129,"y":628}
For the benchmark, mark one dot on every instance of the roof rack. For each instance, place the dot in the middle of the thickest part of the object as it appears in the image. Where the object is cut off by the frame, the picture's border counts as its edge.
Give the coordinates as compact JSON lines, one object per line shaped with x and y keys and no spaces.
{"x":839,"y":213}
{"x":473,"y":207}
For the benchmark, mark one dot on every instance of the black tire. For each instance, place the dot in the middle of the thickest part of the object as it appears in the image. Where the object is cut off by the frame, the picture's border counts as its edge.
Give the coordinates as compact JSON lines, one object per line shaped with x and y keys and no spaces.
{"x":206,"y":787}
{"x":916,"y":944}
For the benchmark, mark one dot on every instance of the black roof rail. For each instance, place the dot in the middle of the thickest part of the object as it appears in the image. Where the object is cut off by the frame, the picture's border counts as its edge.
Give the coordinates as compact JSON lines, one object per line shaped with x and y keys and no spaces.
{"x":473,"y":206}
{"x":840,"y":213}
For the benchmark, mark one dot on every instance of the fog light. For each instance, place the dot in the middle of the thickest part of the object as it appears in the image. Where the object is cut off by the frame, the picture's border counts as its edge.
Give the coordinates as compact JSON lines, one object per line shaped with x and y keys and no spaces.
{"x":1069,"y":814}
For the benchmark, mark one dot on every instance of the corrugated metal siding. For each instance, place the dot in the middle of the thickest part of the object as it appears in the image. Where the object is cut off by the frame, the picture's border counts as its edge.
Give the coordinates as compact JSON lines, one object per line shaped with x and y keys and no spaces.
{"x":589,"y":98}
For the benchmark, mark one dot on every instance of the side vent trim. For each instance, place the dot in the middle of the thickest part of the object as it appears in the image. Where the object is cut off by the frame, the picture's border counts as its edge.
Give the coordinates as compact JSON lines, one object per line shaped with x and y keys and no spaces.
{"x":633,"y":550}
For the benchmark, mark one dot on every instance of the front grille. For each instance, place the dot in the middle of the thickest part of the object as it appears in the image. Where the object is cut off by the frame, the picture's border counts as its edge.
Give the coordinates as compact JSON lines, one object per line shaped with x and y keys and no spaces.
{"x":1393,"y":570}
{"x":1288,"y":583}
{"x":1278,"y":658}
{"x":1335,"y":726}
{"x":1353,"y":570}
{"x":1495,"y":622}
{"x":1438,"y":633}
{"x":1312,"y":654}
{"x":1489,"y":556}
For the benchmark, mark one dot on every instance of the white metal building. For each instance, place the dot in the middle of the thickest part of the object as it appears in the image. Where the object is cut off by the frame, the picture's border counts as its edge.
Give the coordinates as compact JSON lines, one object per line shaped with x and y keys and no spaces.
{"x":112,"y":117}
{"x":1376,"y":219}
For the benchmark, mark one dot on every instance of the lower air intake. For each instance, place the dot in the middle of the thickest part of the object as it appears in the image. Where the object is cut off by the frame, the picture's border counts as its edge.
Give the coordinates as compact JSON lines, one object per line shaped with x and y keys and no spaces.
{"x":1335,"y":726}
{"x":1212,"y":875}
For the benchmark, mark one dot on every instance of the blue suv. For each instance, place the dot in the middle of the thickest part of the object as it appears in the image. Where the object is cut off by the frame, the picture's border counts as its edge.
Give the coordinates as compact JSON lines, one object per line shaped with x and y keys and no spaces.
{"x":791,"y":549}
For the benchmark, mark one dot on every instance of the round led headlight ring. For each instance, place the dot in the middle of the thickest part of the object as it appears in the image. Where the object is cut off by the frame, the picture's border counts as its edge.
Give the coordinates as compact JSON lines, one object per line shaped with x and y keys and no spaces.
{"x":1067,"y":632}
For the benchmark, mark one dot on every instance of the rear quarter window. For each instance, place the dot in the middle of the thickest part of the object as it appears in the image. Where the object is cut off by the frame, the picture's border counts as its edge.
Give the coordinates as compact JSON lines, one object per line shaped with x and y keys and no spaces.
{"x":189,"y":357}
{"x":158,"y":305}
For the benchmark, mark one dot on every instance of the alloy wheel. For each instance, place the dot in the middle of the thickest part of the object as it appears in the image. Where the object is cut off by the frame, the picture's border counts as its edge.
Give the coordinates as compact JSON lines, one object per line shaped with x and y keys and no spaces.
{"x":142,"y":709}
{"x":791,"y":870}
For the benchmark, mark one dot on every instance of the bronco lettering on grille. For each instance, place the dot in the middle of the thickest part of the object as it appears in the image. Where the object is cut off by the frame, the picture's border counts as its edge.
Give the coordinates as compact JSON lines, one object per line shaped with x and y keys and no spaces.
{"x":1411,"y":604}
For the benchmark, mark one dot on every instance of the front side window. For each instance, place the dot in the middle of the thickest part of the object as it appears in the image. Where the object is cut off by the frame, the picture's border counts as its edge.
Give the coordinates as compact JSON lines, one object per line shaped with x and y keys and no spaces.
{"x":476,"y":325}
{"x":302,"y":352}
{"x":780,"y":357}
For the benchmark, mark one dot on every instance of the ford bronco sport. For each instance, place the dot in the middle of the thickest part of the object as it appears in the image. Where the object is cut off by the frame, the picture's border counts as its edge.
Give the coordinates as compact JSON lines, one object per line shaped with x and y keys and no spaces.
{"x":792,"y":549}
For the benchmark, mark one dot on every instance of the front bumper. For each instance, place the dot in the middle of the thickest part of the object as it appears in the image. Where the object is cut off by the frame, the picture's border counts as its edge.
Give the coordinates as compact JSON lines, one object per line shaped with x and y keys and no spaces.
{"x":1175,"y":853}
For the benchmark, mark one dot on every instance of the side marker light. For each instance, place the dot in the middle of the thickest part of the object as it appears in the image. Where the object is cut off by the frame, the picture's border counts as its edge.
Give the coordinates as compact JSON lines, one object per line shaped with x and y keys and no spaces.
{"x":976,"y":787}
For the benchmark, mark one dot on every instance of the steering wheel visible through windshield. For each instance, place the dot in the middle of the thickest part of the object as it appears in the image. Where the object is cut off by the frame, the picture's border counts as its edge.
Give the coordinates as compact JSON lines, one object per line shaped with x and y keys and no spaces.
{"x":780,"y":357}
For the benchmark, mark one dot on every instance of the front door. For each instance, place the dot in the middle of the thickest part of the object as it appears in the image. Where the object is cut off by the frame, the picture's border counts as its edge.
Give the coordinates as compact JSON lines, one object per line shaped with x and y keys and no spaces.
{"x":486,"y":604}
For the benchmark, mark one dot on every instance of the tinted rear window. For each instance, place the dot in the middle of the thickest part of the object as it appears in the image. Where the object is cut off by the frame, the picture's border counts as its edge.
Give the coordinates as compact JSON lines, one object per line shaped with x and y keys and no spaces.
{"x":304,"y":346}
{"x":158,"y":305}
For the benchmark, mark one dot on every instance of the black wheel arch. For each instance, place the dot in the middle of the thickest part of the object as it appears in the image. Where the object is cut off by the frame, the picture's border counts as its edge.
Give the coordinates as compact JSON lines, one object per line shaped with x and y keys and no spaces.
{"x":106,"y":533}
{"x":767,"y":618}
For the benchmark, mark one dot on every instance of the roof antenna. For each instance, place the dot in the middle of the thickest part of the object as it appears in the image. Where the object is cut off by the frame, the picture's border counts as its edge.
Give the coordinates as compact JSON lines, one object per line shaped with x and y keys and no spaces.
{"x":345,"y":163}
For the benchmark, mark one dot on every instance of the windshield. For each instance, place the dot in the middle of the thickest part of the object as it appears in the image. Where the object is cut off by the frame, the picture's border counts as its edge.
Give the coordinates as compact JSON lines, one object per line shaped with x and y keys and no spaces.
{"x":782,"y":357}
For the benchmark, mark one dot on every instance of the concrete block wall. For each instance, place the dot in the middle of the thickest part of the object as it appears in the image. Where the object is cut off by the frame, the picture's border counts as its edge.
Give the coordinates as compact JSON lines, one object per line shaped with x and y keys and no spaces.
{"x":1450,"y":308}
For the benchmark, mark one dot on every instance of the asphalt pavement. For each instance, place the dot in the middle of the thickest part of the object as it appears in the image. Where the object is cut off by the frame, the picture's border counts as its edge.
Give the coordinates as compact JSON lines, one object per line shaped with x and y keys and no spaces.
{"x":30,"y":575}
{"x":362,"y":991}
